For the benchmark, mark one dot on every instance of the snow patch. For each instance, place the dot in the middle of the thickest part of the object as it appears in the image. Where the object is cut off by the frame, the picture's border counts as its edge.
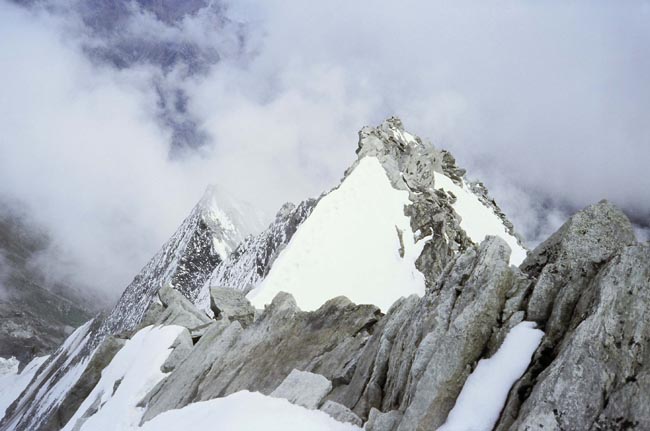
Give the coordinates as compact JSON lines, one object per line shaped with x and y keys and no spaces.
{"x":246,"y":411}
{"x":350,"y":245}
{"x":478,"y":221}
{"x":485,"y":391}
{"x":132,"y":373}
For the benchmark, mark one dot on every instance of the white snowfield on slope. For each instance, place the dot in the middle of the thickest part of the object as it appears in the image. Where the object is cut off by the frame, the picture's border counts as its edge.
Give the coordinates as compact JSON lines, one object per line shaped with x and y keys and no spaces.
{"x":349,"y":245}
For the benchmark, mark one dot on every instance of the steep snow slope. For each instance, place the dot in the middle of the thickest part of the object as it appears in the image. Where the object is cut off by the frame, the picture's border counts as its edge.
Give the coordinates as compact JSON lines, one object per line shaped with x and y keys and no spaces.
{"x":133,"y":372}
{"x":12,"y":383}
{"x":51,"y":384}
{"x":400,"y":214}
{"x":350,"y":245}
{"x":477,"y":219}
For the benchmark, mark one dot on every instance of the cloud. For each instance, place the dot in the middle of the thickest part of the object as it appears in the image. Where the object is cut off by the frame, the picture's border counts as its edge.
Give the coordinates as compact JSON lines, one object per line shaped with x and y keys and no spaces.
{"x":551,"y":99}
{"x":547,"y":104}
{"x":82,"y":149}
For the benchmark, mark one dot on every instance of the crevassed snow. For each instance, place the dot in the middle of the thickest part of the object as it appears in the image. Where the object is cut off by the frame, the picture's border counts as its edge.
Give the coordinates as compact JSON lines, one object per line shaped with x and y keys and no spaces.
{"x":477,"y":219}
{"x":480,"y":402}
{"x":13,"y":383}
{"x":132,"y":373}
{"x":245,"y":411}
{"x":349,"y":246}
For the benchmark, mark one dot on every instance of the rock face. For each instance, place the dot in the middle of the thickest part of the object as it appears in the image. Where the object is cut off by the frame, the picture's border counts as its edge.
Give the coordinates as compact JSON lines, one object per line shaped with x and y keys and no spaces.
{"x":206,"y":236}
{"x":587,"y":287}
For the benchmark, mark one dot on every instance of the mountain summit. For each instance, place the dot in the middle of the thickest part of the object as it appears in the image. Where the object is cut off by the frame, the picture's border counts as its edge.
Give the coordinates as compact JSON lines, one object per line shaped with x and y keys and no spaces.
{"x":400,"y":300}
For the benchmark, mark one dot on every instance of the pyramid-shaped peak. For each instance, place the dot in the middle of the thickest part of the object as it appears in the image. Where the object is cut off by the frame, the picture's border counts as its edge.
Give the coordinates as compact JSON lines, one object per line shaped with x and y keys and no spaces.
{"x":409,"y":161}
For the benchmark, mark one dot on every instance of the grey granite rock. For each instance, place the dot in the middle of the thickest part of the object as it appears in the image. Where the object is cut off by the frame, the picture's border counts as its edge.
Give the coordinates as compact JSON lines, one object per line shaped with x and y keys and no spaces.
{"x":174,"y":309}
{"x":598,"y":379}
{"x":231,"y":304}
{"x":420,"y":353}
{"x":341,"y":413}
{"x":182,"y":347}
{"x":383,"y":421}
{"x":229,"y":358}
{"x":303,"y":388}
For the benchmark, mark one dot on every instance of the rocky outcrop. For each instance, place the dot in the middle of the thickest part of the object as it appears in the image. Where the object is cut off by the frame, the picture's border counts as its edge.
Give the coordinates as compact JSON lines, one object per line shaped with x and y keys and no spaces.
{"x":592,"y":295}
{"x":232,"y":305}
{"x":229,"y":358}
{"x":421,"y":352}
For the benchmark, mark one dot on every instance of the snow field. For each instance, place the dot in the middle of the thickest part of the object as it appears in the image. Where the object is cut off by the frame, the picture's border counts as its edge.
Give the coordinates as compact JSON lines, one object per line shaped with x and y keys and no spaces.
{"x":349,"y":246}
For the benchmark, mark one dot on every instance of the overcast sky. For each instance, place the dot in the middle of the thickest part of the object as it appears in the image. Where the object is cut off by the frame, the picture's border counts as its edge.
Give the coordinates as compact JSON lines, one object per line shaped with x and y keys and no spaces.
{"x":548,"y":104}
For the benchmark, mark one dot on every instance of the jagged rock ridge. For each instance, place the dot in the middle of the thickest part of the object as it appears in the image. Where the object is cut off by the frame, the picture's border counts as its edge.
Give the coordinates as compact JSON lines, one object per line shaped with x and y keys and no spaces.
{"x":587,"y":288}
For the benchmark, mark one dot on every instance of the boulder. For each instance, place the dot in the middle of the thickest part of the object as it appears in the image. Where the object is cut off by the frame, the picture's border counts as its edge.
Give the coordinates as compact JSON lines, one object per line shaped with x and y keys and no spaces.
{"x":379,"y":421}
{"x":303,"y":388}
{"x":231,"y":304}
{"x":341,"y":413}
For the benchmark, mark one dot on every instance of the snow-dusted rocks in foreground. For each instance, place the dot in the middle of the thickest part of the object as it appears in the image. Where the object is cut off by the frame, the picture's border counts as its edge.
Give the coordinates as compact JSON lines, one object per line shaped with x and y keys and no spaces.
{"x":486,"y":389}
{"x":246,"y":411}
{"x":478,"y":220}
{"x":350,"y":246}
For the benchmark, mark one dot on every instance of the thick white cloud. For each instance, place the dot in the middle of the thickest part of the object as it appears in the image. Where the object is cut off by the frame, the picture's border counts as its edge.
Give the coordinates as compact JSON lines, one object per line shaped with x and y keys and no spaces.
{"x":547,"y":104}
{"x":80,"y":149}
{"x":549,"y":99}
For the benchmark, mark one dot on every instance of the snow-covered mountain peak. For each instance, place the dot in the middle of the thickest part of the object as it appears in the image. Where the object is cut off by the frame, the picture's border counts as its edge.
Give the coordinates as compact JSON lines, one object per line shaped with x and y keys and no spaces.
{"x":414,"y":164}
{"x":402,"y":211}
{"x":409,"y":160}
